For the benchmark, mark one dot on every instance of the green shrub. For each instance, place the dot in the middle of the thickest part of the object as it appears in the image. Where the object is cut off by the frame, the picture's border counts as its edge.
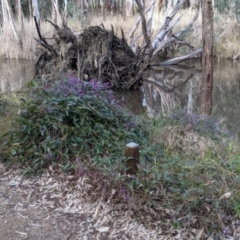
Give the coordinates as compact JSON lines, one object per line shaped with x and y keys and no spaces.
{"x":68,"y":121}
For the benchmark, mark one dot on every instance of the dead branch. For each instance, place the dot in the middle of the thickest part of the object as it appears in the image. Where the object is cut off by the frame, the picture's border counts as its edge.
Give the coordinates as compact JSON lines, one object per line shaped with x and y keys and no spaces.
{"x":95,"y":53}
{"x":38,"y":31}
{"x":99,"y":53}
{"x":189,"y":26}
{"x":165,"y":28}
{"x":144,"y":24}
{"x":47,"y":47}
{"x":55,"y":25}
{"x":168,"y":89}
{"x":182,"y":58}
{"x":130,"y":36}
{"x":176,"y":68}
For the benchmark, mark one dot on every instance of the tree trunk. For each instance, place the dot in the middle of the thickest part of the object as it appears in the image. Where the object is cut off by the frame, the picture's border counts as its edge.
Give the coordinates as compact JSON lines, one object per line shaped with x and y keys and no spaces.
{"x":53,"y":13}
{"x":11,"y":21}
{"x":4,"y":15}
{"x":36,"y":12}
{"x":186,"y":4}
{"x":17,"y":7}
{"x":113,"y":7}
{"x":65,"y":13}
{"x":107,"y":5}
{"x":130,"y":8}
{"x":207,"y":57}
{"x":123,"y":8}
{"x":150,"y":17}
{"x":57,"y":17}
{"x":82,"y":12}
{"x":30,"y":9}
{"x":98,"y":6}
{"x":20,"y":18}
{"x":213,"y":4}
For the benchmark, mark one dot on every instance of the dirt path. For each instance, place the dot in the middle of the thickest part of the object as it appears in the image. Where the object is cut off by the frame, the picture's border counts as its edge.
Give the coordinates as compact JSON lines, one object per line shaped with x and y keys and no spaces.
{"x":52,"y":208}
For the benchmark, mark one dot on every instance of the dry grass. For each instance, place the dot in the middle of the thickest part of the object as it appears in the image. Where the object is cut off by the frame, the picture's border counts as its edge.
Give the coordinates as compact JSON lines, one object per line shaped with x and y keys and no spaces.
{"x":128,"y":23}
{"x":117,"y":22}
{"x":226,"y":32}
{"x":227,"y":35}
{"x":185,"y":140}
{"x":10,"y":48}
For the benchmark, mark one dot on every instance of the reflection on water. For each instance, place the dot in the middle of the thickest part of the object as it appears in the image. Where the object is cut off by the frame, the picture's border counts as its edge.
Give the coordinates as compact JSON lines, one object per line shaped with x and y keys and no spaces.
{"x":14,"y":74}
{"x":163,"y":90}
{"x":226,"y":95}
{"x":167,"y":88}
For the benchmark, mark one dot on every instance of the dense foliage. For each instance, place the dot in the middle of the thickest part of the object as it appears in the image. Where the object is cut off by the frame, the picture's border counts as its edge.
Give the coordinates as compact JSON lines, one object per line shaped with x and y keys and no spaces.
{"x":68,"y":121}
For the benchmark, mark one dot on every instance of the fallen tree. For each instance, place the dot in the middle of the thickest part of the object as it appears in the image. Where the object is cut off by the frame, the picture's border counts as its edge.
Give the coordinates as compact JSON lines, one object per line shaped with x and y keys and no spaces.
{"x":96,"y":53}
{"x":99,"y":53}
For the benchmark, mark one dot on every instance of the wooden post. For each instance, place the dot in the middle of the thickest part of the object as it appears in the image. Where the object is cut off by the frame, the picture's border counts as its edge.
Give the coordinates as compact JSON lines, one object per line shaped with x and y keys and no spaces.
{"x":132,"y":155}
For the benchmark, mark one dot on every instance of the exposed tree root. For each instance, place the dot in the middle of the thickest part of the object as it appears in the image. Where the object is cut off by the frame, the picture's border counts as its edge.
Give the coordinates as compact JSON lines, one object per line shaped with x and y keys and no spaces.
{"x":96,"y":53}
{"x":99,"y":53}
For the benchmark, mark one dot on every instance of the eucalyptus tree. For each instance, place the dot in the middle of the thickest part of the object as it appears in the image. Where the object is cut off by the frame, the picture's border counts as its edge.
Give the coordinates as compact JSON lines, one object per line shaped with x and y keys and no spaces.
{"x":18,"y":11}
{"x":56,"y":16}
{"x":30,"y":8}
{"x":36,"y":11}
{"x":9,"y":20}
{"x":207,"y":57}
{"x":65,"y":11}
{"x":130,"y":7}
{"x":4,"y":15}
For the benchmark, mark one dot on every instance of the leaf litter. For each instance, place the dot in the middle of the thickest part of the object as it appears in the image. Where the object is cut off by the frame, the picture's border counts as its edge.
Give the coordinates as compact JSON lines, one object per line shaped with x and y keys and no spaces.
{"x":59,"y":206}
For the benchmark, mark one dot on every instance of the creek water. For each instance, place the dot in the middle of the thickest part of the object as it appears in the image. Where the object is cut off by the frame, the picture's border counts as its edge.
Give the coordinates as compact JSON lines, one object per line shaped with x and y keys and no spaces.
{"x":163,"y":90}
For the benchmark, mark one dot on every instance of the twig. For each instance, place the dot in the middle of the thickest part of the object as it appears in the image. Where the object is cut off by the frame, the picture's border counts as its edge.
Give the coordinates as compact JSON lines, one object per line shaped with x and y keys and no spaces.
{"x":39,"y":33}
{"x":47,"y":46}
{"x":55,"y":25}
{"x":182,"y":58}
{"x":144,"y":24}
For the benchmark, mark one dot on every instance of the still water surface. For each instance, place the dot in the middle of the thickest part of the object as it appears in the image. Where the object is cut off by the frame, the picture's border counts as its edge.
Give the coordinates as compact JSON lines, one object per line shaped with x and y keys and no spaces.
{"x":163,"y":90}
{"x":167,"y":88}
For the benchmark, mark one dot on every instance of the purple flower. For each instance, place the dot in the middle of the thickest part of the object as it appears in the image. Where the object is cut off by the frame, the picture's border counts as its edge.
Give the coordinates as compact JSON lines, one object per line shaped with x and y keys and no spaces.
{"x":48,"y":156}
{"x":123,"y":190}
{"x":82,"y":172}
{"x":49,"y":110}
{"x":125,"y":194}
